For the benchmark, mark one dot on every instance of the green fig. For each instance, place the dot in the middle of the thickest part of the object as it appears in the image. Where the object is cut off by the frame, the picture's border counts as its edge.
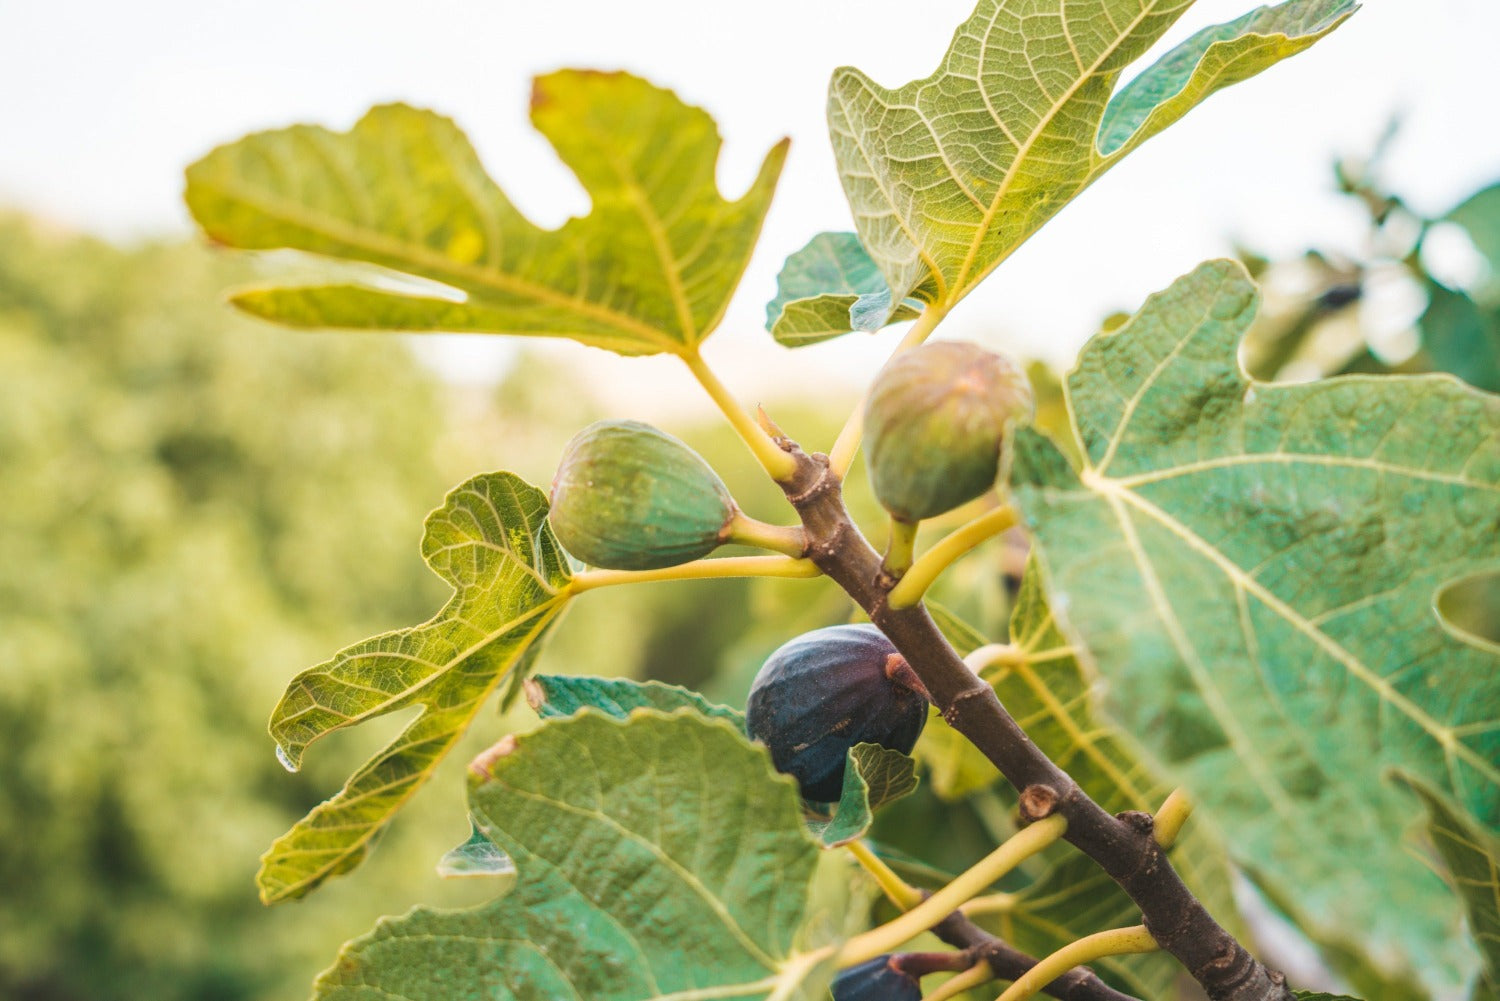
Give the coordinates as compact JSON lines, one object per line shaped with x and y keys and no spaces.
{"x":936,"y":422}
{"x":628,"y":496}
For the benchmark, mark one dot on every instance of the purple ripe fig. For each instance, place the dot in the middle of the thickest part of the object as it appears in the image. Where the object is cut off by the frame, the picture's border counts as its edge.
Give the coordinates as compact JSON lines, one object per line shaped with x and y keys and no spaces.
{"x":876,"y":980}
{"x":827,"y":690}
{"x":935,"y":424}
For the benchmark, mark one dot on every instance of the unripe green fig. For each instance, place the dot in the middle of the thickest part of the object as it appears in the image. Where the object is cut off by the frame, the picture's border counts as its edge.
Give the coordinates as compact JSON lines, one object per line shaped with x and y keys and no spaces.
{"x":937,"y":419}
{"x":877,"y":979}
{"x":827,"y":690}
{"x":628,"y":496}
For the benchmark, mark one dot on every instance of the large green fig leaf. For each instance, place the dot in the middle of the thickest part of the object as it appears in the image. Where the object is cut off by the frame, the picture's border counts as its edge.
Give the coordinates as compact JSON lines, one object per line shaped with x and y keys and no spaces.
{"x":651,"y":268}
{"x":828,"y":288}
{"x":1254,"y":570}
{"x":1473,"y":859}
{"x":553,"y":695}
{"x":489,"y":540}
{"x":659,"y":857}
{"x":948,"y":175}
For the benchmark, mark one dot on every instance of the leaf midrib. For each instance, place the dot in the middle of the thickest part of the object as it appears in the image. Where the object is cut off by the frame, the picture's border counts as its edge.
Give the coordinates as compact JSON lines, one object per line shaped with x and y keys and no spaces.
{"x":374,"y":242}
{"x":1442,"y":734}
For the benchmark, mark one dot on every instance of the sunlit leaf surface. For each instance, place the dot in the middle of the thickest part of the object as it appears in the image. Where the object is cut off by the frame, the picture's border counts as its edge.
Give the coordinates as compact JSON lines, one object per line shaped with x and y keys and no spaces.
{"x":1254,"y":570}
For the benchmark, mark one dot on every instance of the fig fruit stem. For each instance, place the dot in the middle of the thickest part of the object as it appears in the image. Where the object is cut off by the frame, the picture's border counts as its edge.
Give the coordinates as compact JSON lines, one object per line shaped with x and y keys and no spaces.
{"x":974,"y":880}
{"x":900,"y":548}
{"x":899,"y":892}
{"x":789,"y":540}
{"x":728,"y":566}
{"x":779,"y":464}
{"x":1115,"y":942}
{"x":931,"y":564}
{"x":846,"y":446}
{"x":979,"y":973}
{"x":1170,"y":817}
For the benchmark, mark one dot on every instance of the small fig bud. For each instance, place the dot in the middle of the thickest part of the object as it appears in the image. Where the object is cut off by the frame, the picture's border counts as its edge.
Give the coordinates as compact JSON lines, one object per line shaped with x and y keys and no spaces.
{"x":628,"y":496}
{"x":936,"y":421}
{"x":876,"y":980}
{"x":827,"y":690}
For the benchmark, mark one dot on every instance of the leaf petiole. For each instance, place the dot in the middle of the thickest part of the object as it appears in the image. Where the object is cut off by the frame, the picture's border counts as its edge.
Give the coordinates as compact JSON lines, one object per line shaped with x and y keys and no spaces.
{"x":900,"y":893}
{"x":729,"y":566}
{"x":1115,"y":942}
{"x":931,"y":564}
{"x":1174,"y":812}
{"x":777,"y":463}
{"x":966,"y":885}
{"x":979,"y":973}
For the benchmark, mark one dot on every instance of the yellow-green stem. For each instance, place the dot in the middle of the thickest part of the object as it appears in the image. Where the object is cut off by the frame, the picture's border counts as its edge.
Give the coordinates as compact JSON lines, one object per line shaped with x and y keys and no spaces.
{"x":777,"y":463}
{"x":994,"y":653}
{"x":1116,"y":942}
{"x":789,"y":540}
{"x":731,"y":566}
{"x":1174,"y":812}
{"x":935,"y":908}
{"x":979,"y":973}
{"x":846,"y":447}
{"x":931,"y":564}
{"x":898,"y":552}
{"x":991,"y":903}
{"x":901,"y":893}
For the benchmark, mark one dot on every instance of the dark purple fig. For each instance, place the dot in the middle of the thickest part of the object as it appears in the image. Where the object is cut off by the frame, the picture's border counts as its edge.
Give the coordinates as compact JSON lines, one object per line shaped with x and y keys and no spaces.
{"x":826,"y":691}
{"x":936,"y":421}
{"x":876,"y":980}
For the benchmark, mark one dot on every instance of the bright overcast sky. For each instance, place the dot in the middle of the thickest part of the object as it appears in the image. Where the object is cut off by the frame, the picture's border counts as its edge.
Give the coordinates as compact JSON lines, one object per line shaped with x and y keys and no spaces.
{"x":105,"y":103}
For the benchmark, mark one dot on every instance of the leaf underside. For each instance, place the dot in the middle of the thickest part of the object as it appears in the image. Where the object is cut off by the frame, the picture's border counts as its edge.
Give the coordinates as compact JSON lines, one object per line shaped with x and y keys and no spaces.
{"x":1254,"y":570}
{"x":651,"y":268}
{"x":828,"y":288}
{"x":946,"y":176}
{"x":490,"y":541}
{"x":659,"y":856}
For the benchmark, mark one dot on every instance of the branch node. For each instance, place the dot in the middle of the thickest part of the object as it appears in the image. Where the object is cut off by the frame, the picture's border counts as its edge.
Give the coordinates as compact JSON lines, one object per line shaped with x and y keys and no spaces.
{"x":1038,"y":801}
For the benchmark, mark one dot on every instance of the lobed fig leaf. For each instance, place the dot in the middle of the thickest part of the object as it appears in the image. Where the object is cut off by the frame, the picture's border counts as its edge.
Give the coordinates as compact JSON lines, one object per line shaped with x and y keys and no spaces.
{"x":1254,"y":570}
{"x":489,"y":540}
{"x":935,"y":424}
{"x":651,"y":268}
{"x":947,"y":176}
{"x":826,"y":691}
{"x":628,"y":496}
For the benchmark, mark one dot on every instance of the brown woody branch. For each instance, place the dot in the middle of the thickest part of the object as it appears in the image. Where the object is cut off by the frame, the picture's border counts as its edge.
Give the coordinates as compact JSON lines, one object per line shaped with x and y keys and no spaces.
{"x":1123,"y":845}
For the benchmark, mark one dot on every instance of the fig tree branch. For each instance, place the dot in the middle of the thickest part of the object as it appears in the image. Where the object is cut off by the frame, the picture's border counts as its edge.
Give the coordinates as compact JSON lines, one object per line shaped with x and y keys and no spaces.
{"x":1123,"y":846}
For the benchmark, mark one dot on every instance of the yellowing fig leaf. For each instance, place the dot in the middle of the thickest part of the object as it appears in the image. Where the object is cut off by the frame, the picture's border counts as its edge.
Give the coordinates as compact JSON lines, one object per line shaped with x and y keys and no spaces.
{"x":651,"y":268}
{"x":948,"y":175}
{"x":490,"y":540}
{"x":1254,"y":570}
{"x":658,"y":857}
